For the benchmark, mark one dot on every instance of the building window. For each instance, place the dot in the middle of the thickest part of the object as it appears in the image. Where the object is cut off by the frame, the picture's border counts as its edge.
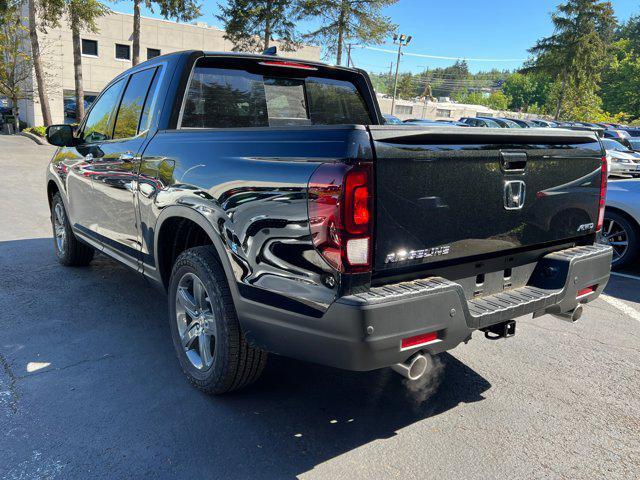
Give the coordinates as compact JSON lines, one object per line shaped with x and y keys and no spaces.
{"x":440,"y":112}
{"x":123,"y":52}
{"x":152,"y":53}
{"x":404,"y":110}
{"x":90,"y":47}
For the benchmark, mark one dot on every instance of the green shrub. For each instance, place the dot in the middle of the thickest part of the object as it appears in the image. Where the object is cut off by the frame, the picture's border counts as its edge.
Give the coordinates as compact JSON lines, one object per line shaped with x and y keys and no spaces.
{"x":39,"y":131}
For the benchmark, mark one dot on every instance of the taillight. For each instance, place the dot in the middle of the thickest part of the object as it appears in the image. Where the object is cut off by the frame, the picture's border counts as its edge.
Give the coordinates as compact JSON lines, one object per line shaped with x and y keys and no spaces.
{"x":340,"y":203}
{"x":603,"y":193}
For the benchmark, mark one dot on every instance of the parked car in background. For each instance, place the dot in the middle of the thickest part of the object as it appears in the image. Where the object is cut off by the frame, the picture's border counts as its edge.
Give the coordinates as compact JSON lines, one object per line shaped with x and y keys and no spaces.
{"x":504,"y":122}
{"x":544,"y":123}
{"x":621,"y":136}
{"x":522,"y":123}
{"x":434,"y":123}
{"x":480,"y":122}
{"x":635,"y":144}
{"x":622,"y":160}
{"x":621,"y":227}
{"x":70,"y":109}
{"x":391,"y":120}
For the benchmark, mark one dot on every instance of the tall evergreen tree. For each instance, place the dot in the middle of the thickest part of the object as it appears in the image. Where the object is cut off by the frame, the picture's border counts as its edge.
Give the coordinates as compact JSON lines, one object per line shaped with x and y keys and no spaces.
{"x":251,"y":25}
{"x":577,"y":51}
{"x":360,"y":21}
{"x":179,"y":10}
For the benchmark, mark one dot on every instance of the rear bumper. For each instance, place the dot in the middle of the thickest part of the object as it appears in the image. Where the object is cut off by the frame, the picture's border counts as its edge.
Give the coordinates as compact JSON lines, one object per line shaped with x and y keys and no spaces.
{"x":364,"y":331}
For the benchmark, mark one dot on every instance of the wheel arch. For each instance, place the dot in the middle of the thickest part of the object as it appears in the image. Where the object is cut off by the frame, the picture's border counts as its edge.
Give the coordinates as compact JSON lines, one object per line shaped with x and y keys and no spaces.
{"x":189,"y":225}
{"x":626,"y":215}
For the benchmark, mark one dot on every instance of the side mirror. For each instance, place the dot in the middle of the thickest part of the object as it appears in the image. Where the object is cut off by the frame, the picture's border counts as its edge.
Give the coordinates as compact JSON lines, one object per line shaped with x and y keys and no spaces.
{"x":61,"y":135}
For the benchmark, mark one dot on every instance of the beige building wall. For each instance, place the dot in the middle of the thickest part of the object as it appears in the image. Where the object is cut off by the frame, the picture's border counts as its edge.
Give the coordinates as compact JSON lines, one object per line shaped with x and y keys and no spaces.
{"x":163,"y":35}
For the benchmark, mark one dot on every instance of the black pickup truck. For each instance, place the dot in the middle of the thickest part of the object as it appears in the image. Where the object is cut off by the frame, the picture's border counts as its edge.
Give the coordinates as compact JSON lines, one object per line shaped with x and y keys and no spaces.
{"x":268,"y":199}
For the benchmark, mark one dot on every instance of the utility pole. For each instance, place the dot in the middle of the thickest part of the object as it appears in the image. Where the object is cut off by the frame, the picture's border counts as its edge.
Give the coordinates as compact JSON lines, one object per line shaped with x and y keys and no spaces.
{"x":402,"y":40}
{"x":348,"y":54}
{"x":390,"y":76}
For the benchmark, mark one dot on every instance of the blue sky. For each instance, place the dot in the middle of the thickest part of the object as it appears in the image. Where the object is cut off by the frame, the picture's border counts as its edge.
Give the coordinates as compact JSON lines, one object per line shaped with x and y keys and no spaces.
{"x":482,"y":29}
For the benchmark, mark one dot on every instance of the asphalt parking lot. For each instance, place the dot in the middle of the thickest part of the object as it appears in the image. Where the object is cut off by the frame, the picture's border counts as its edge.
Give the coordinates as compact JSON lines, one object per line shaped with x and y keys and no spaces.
{"x":90,"y":387}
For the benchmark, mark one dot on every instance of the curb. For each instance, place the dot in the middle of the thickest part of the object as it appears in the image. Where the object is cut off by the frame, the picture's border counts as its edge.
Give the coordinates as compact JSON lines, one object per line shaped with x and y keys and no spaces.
{"x":35,"y":138}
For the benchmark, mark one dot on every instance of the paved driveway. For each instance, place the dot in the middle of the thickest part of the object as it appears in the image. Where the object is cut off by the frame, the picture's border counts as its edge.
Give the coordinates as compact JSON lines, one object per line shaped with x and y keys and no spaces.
{"x":90,"y":388}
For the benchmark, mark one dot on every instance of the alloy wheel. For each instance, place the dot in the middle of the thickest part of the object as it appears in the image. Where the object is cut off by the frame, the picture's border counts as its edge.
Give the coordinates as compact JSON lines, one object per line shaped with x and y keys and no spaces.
{"x":615,"y":235}
{"x":196,"y":321}
{"x":58,"y":227}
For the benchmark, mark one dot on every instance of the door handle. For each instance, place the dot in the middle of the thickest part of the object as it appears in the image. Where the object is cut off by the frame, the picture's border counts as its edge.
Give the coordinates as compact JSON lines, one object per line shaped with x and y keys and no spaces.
{"x":126,"y":157}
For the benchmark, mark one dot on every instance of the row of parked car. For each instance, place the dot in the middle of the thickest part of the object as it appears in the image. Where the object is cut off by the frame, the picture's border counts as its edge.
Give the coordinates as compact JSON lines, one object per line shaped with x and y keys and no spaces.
{"x":622,"y":143}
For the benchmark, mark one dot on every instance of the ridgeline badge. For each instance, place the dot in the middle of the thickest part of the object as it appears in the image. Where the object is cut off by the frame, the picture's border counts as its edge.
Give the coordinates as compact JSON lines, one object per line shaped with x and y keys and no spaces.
{"x":404,"y":255}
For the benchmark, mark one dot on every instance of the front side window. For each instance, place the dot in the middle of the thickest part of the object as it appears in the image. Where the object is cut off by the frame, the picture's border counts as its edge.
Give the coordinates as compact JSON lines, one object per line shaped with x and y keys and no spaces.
{"x":90,"y":47}
{"x":132,"y":104}
{"x":98,"y":126}
{"x":228,"y":98}
{"x":123,"y":52}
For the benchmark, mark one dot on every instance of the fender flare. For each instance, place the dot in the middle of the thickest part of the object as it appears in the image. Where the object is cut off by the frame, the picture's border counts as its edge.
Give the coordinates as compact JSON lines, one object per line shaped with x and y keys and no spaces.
{"x":182,"y":211}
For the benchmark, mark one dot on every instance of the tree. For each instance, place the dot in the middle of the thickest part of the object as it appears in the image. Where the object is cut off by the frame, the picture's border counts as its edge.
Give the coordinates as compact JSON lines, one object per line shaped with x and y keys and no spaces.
{"x":15,"y":61}
{"x":577,"y":51}
{"x":35,"y":7}
{"x":179,"y":10}
{"x":251,"y":25}
{"x":621,"y":81}
{"x":343,"y":20}
{"x":526,"y":90}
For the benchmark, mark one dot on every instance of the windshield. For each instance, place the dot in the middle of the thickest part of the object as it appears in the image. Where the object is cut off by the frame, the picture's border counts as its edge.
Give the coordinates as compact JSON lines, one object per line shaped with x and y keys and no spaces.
{"x":635,"y":143}
{"x":613,"y":145}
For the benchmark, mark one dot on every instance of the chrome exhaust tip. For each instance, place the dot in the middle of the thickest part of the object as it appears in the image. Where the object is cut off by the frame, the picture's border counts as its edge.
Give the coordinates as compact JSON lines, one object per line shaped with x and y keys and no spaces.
{"x":570,"y":316}
{"x":414,"y":368}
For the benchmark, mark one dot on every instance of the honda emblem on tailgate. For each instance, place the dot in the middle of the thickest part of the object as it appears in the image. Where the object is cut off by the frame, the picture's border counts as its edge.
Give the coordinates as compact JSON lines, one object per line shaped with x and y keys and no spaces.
{"x":514,"y":195}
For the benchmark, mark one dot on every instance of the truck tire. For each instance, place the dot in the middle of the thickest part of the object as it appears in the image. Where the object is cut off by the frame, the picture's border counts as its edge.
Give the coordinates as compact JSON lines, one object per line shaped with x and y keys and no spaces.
{"x":70,"y":251}
{"x":622,"y":234}
{"x":211,"y":348}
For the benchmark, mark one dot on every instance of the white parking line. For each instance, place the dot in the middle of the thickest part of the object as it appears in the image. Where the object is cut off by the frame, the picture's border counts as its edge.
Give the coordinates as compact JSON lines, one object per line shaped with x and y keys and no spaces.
{"x":623,"y":307}
{"x":625,"y":275}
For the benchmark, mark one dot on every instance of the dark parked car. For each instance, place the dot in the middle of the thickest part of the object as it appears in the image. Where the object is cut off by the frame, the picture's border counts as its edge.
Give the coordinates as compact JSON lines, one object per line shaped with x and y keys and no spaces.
{"x":504,"y":122}
{"x":480,"y":122}
{"x":544,"y":123}
{"x":523,"y":123}
{"x":268,"y":199}
{"x":391,"y":119}
{"x":434,"y":123}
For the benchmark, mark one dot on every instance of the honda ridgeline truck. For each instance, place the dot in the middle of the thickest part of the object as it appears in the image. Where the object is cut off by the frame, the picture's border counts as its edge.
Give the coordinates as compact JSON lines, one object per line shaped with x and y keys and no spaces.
{"x":269,"y":200}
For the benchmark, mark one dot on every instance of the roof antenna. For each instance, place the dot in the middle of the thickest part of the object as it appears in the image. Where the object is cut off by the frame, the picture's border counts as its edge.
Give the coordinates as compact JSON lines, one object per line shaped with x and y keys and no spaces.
{"x":270,"y":51}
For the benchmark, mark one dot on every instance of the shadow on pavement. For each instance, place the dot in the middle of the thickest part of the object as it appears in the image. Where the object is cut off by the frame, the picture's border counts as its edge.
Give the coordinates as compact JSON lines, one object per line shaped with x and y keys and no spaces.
{"x":112,"y":400}
{"x":624,"y":288}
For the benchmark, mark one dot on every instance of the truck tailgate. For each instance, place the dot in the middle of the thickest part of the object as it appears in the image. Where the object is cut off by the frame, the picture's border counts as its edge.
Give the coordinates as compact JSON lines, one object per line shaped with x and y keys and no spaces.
{"x":453,"y":193}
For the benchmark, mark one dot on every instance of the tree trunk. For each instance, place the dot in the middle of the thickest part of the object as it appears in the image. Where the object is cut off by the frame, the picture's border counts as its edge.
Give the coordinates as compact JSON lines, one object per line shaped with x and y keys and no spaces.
{"x":16,"y":115}
{"x":341,"y":28}
{"x":267,"y":26}
{"x":77,"y":67}
{"x":37,"y":65}
{"x":561,"y":95}
{"x":136,"y":33}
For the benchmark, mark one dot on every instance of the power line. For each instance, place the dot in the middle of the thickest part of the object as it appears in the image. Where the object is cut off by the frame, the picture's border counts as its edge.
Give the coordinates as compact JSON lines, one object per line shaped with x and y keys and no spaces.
{"x":439,"y":57}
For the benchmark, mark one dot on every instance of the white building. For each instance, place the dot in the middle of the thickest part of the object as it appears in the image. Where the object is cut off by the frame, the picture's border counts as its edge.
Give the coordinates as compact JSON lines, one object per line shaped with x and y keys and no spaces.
{"x":108,"y":53}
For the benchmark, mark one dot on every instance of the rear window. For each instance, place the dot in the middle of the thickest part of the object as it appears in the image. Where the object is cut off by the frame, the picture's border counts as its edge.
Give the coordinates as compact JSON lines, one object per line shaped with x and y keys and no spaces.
{"x":231,"y":98}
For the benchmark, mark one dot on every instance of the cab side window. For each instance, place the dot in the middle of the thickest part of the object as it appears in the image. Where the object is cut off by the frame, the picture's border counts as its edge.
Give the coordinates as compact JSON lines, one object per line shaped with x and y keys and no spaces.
{"x":136,"y":100}
{"x":98,"y":126}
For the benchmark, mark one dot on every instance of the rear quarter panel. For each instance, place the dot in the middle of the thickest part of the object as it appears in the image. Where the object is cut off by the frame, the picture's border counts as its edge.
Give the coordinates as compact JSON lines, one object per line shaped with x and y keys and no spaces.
{"x":251,"y":186}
